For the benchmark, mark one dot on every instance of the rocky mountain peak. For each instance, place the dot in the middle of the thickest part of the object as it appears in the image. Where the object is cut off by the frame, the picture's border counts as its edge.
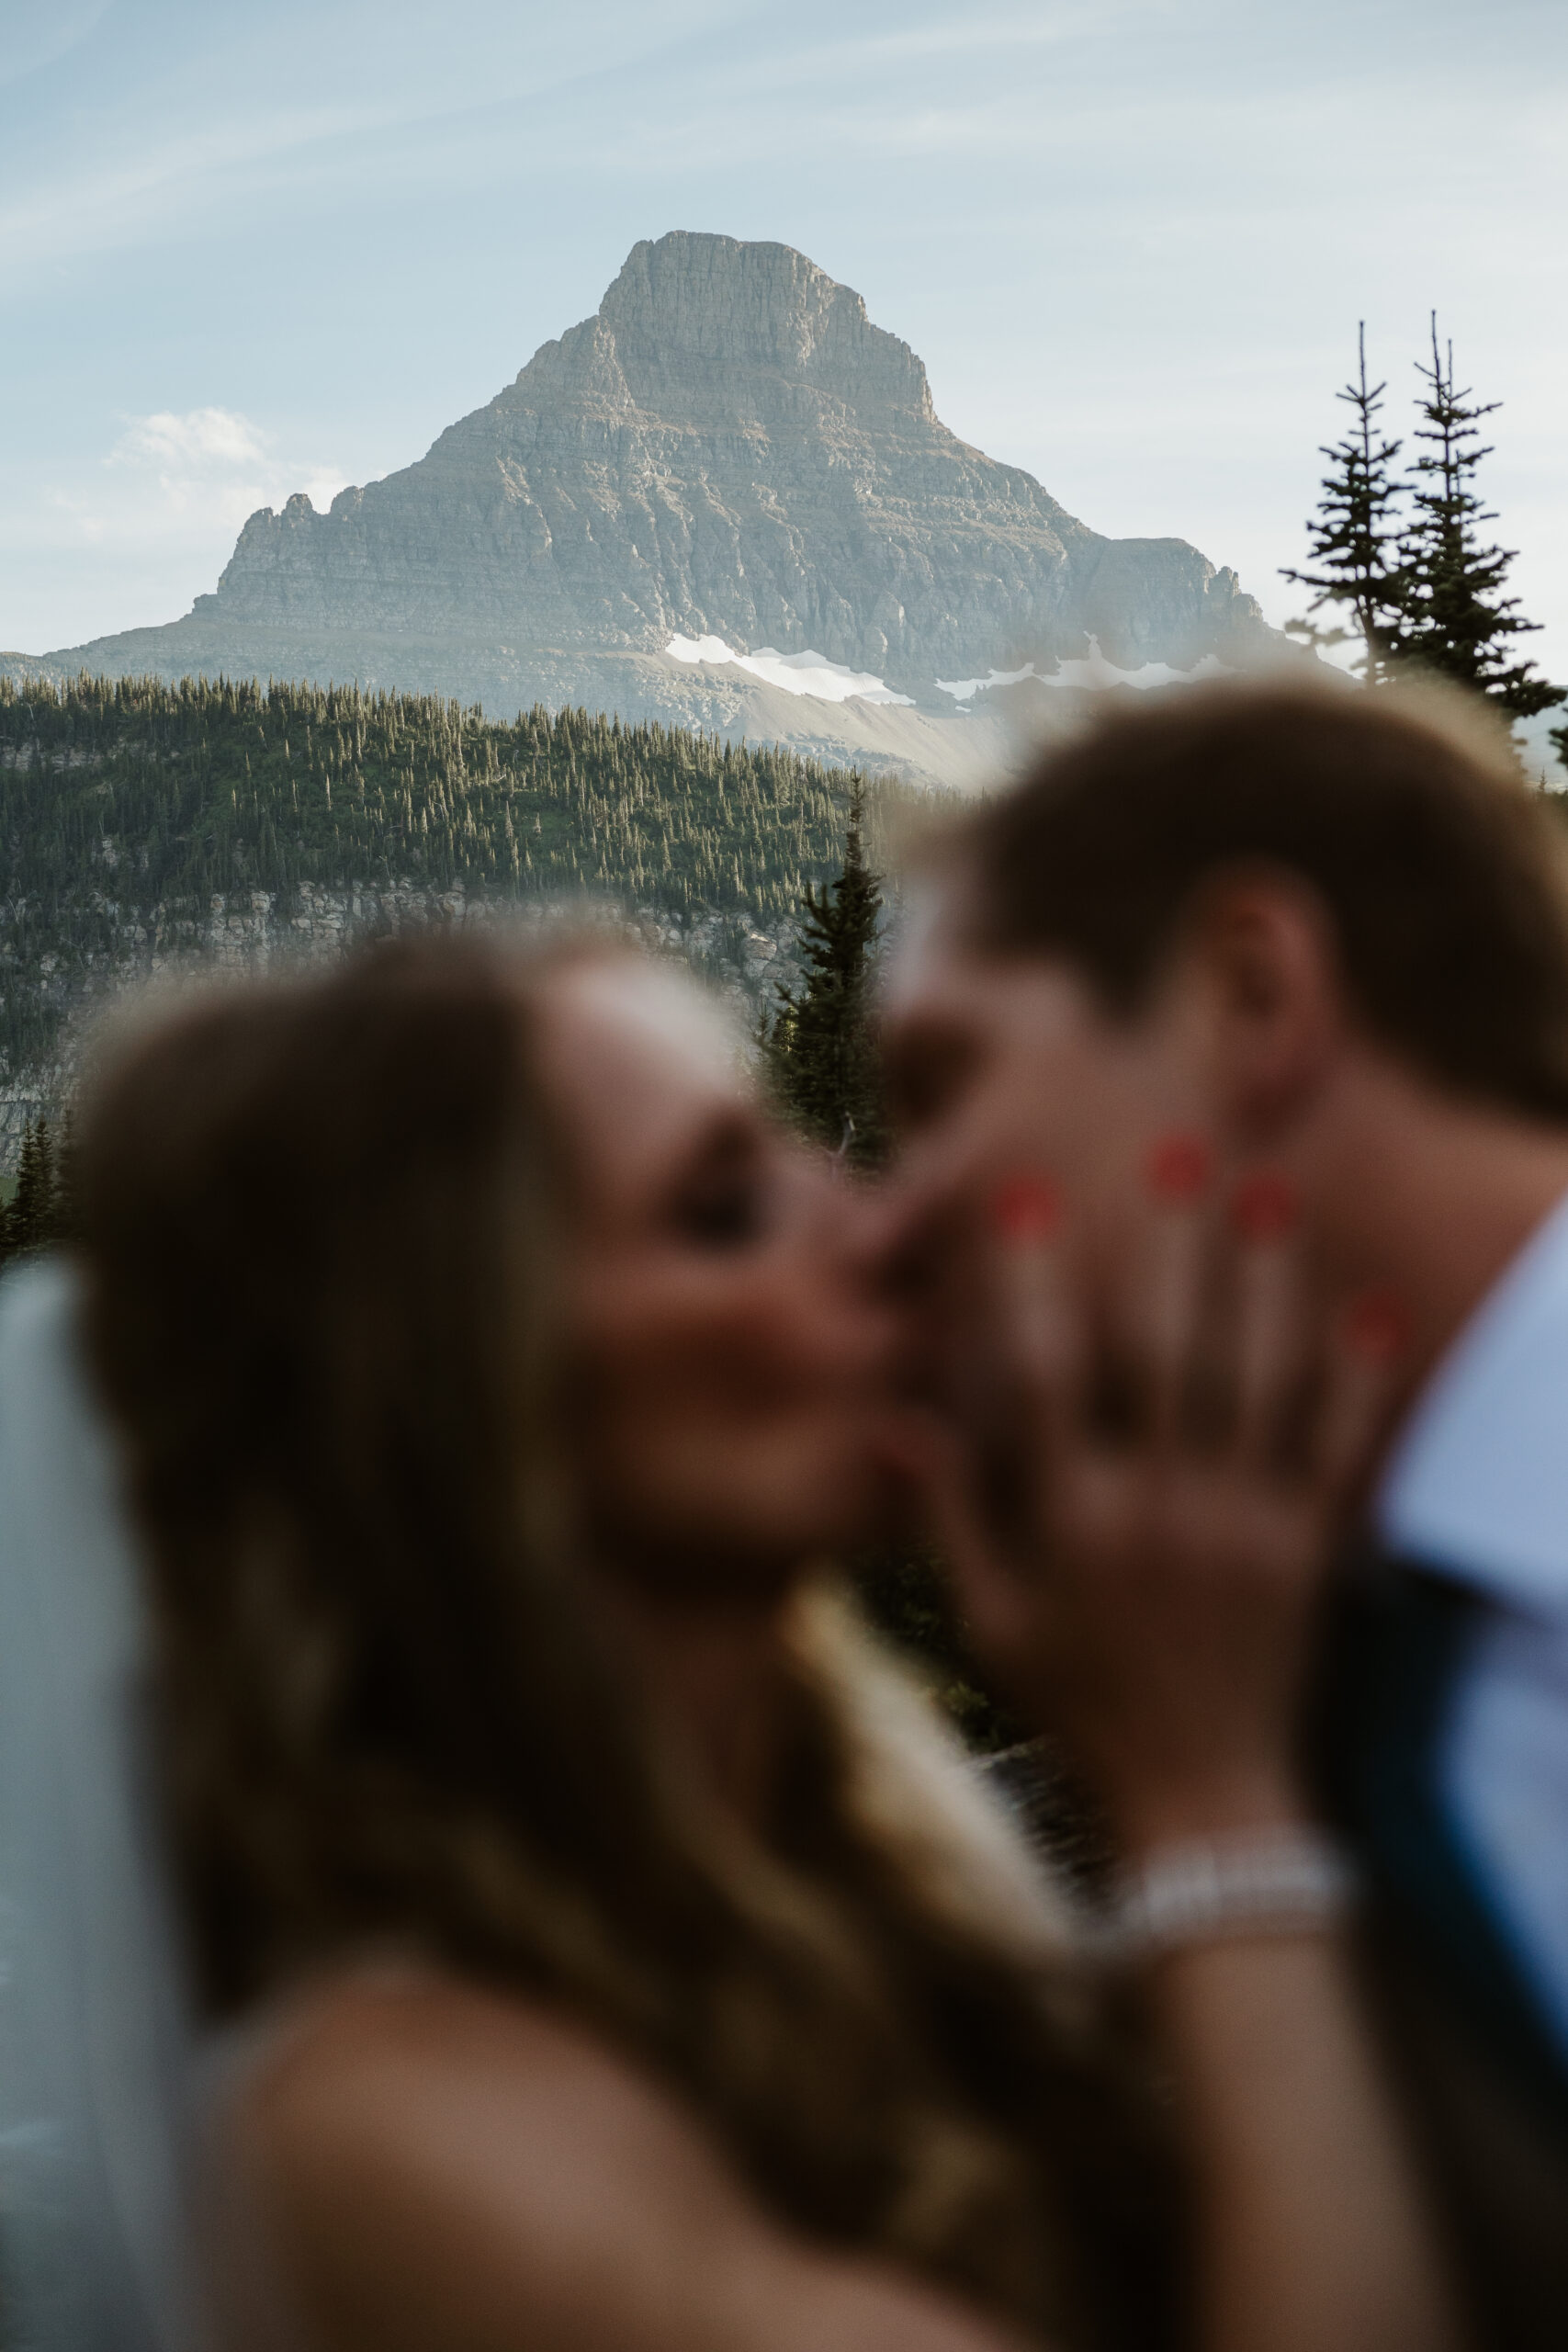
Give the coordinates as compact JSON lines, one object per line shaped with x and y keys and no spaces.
{"x":729,"y":451}
{"x":690,"y":309}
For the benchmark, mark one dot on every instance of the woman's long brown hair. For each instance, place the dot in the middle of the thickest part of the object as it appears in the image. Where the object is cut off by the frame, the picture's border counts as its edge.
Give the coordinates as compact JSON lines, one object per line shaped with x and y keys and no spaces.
{"x":322,"y":1226}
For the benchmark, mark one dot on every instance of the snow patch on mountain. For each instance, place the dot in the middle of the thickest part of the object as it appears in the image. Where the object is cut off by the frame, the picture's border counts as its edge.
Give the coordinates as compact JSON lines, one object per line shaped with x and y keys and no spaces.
{"x":1093,"y":671}
{"x":798,"y":673}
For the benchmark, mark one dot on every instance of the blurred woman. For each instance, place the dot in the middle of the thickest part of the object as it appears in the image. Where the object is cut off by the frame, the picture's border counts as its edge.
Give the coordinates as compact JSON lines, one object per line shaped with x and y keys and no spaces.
{"x":607,"y":1948}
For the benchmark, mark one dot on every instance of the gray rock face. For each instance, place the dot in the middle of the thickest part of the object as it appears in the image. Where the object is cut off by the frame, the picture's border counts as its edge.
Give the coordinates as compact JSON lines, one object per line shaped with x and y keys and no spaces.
{"x":727,"y":447}
{"x":742,"y":958}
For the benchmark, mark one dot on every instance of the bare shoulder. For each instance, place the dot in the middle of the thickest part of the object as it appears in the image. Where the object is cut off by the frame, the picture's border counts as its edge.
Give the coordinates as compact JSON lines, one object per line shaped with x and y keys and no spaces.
{"x":441,"y":2165}
{"x":360,"y":2056}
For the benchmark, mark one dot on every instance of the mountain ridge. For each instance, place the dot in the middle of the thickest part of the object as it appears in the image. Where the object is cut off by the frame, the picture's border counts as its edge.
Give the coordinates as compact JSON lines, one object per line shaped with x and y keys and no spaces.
{"x":728,"y":447}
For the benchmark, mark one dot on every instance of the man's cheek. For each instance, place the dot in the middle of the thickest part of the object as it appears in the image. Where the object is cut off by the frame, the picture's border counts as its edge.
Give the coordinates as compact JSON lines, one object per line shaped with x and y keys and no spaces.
{"x":1026,"y":1132}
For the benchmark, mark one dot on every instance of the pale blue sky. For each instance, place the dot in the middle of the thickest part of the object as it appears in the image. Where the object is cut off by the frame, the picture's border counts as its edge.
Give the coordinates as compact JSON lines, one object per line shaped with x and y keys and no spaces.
{"x":244,"y":250}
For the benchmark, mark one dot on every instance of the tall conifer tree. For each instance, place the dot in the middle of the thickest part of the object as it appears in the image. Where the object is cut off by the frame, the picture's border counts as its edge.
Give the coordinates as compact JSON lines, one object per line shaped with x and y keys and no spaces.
{"x":31,"y":1221}
{"x":1455,"y":619}
{"x":65,"y":1214}
{"x":1354,"y":544}
{"x":819,"y":1052}
{"x":819,"y":1049}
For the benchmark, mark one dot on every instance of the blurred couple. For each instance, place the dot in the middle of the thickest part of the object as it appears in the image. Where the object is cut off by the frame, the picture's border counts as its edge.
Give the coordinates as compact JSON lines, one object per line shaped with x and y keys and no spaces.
{"x":470,"y":1880}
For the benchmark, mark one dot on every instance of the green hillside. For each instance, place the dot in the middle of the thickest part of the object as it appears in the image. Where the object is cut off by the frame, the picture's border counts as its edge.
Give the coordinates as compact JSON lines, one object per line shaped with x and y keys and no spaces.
{"x":129,"y":807}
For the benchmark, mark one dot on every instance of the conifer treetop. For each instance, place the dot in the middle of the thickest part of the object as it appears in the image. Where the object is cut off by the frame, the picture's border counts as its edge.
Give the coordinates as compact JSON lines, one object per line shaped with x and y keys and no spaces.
{"x":1455,"y":620}
{"x":1405,"y":555}
{"x":1355,"y":536}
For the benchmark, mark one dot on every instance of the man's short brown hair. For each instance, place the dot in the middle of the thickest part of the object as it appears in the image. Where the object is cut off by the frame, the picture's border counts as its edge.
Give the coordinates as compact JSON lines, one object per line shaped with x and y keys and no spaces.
{"x":1443,"y":874}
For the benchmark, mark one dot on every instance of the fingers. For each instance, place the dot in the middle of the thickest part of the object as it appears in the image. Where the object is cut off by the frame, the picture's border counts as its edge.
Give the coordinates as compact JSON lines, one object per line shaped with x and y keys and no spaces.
{"x":1177,"y":1179}
{"x":1257,"y":1360}
{"x":1265,"y":1219}
{"x":1363,"y":1367}
{"x":1259,"y":1351}
{"x":1044,"y":1324}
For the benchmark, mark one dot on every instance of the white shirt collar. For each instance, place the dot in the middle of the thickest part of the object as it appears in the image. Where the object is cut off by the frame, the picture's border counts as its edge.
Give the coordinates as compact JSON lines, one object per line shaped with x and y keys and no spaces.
{"x":1478,"y":1480}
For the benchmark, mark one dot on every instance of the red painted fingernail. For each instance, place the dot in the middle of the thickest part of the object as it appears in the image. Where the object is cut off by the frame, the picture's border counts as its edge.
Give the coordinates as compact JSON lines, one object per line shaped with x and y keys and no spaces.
{"x":1026,"y":1209}
{"x":1264,"y":1207}
{"x":1177,"y":1169}
{"x":1376,"y":1326}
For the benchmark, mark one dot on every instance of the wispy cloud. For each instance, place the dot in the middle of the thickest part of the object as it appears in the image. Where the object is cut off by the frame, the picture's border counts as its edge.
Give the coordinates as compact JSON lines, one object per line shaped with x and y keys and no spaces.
{"x":118,"y":201}
{"x":202,"y":438}
{"x":197,"y":477}
{"x":35,"y":37}
{"x":132,"y":534}
{"x":226,"y":124}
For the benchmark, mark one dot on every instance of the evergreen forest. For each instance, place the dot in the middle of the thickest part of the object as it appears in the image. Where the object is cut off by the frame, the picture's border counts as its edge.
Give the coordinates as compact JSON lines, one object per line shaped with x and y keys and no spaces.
{"x":132,"y":813}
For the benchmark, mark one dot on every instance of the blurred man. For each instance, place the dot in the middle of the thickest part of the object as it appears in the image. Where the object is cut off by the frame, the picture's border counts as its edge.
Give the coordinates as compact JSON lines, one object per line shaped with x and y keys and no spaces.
{"x":1324,"y":934}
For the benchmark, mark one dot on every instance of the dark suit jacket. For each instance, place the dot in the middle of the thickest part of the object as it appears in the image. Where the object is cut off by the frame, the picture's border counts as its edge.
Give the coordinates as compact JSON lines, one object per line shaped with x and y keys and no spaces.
{"x":1482,"y":2075}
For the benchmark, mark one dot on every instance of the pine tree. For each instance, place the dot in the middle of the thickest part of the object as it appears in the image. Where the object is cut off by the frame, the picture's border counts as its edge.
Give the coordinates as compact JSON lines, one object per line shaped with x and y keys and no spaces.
{"x":31,"y":1221}
{"x":65,"y":1219}
{"x":819,"y":1051}
{"x":1454,"y":618}
{"x":1355,"y":536}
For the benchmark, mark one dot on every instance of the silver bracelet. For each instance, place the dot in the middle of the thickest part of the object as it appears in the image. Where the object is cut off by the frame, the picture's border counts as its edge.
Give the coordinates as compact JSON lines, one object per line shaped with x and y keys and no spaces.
{"x":1275,"y":1882}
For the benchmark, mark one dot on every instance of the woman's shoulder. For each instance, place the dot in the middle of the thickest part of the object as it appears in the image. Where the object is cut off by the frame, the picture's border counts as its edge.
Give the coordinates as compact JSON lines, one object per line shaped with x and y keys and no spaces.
{"x":433,"y":2162}
{"x":377,"y":2008}
{"x":372,"y":2049}
{"x":428,"y":2159}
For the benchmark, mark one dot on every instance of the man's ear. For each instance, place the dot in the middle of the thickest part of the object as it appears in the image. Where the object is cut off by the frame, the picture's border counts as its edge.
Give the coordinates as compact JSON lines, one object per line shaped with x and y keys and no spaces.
{"x":1260,"y":979}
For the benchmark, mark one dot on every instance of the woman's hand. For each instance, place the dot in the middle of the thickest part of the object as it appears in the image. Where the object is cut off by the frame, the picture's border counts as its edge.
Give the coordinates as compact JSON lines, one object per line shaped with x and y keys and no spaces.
{"x":1156,"y":1608}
